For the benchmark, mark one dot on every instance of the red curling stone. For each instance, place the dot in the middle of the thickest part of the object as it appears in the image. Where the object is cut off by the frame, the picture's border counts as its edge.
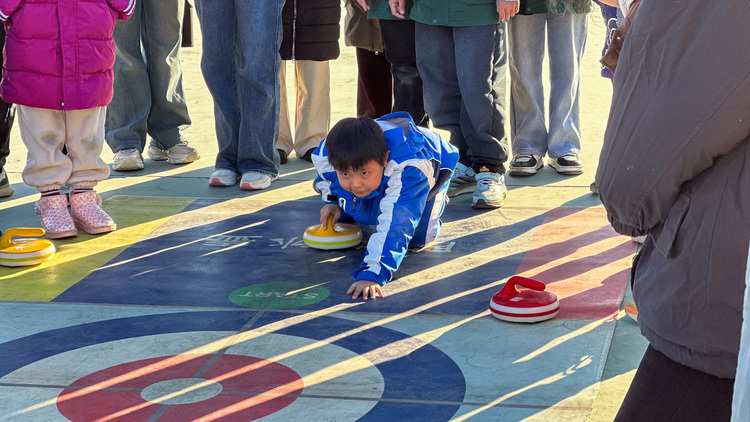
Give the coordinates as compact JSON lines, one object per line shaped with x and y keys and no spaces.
{"x":532,"y":304}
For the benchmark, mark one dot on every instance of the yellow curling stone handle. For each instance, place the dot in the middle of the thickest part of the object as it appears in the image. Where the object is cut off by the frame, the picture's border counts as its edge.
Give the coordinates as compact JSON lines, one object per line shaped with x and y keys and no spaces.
{"x":7,"y":240}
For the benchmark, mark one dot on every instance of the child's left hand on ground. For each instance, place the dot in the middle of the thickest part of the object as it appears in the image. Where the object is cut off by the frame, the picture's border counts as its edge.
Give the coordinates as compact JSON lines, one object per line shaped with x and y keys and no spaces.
{"x":367,"y":289}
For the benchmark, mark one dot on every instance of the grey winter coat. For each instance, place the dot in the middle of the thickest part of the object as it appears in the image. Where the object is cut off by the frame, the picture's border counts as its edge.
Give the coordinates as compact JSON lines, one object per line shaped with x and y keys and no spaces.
{"x":676,"y":165}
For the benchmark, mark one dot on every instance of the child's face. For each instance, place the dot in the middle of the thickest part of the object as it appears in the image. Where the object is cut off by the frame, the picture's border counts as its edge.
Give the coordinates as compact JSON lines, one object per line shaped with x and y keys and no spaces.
{"x":363,"y":181}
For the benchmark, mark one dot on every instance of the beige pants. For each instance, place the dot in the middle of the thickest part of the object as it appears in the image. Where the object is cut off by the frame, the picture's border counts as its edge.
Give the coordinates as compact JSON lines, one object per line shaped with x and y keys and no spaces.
{"x":45,"y":132}
{"x":312,"y":82}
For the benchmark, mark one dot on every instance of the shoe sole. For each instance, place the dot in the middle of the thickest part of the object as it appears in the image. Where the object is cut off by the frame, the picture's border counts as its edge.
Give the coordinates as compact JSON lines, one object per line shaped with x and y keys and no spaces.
{"x":183,"y":159}
{"x":95,"y":230}
{"x":221,"y":183}
{"x":484,"y":205}
{"x":568,"y":170}
{"x":60,"y":235}
{"x":524,"y":171}
{"x":128,"y":167}
{"x":460,"y":190}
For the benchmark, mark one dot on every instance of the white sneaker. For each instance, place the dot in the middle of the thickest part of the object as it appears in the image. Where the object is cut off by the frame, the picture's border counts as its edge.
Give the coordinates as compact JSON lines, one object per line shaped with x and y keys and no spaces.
{"x":127,"y":159}
{"x":181,"y":153}
{"x":567,"y":164}
{"x":252,"y":180}
{"x":222,"y":177}
{"x":5,"y":188}
{"x":462,"y":181}
{"x":491,"y":190}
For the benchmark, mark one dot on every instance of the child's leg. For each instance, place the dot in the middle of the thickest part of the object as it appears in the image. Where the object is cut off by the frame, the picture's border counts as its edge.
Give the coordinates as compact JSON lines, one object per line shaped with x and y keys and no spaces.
{"x":84,"y":140}
{"x":526,"y":39}
{"x":429,"y":225}
{"x":43,"y":133}
{"x":567,"y":41}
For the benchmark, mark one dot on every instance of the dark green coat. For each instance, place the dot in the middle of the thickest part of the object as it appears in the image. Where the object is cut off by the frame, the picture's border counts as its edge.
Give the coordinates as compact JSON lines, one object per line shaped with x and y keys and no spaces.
{"x":533,"y":7}
{"x":381,"y":10}
{"x":455,"y":12}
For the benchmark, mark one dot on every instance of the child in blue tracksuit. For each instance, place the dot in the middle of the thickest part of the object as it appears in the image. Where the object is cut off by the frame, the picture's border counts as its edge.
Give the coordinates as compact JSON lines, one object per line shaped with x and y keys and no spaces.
{"x":388,"y":173}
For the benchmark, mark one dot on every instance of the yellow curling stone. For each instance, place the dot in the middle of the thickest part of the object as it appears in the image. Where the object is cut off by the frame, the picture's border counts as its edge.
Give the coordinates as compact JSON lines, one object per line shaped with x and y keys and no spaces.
{"x":341,"y":236}
{"x":25,"y":252}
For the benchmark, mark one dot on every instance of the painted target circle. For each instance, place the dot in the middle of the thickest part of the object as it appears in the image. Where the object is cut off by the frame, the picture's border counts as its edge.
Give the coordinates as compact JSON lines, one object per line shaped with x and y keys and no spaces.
{"x":416,"y":379}
{"x":230,"y":387}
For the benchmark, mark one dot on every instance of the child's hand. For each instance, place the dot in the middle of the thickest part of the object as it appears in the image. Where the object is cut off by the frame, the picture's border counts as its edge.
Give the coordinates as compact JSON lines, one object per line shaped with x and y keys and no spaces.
{"x":506,"y":9}
{"x":398,"y":8}
{"x":327,"y":210}
{"x":366,"y":289}
{"x":364,"y":5}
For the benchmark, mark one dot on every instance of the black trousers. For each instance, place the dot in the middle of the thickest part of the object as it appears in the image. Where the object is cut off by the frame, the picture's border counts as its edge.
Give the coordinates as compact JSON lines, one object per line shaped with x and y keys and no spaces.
{"x":7,"y":114}
{"x":664,"y":390}
{"x":374,"y":84}
{"x":398,"y":37}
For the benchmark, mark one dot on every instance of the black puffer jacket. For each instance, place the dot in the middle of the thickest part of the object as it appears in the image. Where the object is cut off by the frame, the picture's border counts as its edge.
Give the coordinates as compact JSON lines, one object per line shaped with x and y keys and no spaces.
{"x":311,"y":30}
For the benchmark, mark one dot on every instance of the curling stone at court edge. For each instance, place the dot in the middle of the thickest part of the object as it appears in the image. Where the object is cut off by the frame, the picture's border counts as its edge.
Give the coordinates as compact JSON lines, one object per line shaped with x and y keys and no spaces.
{"x":340,"y":236}
{"x":531,"y":304}
{"x":25,"y":252}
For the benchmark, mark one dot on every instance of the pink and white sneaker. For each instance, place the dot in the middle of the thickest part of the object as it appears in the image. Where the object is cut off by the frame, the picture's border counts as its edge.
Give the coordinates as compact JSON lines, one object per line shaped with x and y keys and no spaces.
{"x":86,"y":210}
{"x":54,"y":216}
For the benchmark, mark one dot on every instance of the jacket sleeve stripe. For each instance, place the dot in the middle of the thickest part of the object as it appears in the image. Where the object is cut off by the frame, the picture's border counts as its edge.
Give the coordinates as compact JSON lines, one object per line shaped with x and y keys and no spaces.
{"x":131,"y":7}
{"x":3,"y":16}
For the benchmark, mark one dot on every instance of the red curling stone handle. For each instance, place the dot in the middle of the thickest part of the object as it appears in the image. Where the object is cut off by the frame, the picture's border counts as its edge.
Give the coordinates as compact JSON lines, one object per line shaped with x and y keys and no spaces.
{"x":510,"y":289}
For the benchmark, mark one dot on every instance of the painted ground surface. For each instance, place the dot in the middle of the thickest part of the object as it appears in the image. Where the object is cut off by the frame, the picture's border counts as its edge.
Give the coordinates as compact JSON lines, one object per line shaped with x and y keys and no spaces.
{"x":216,"y":309}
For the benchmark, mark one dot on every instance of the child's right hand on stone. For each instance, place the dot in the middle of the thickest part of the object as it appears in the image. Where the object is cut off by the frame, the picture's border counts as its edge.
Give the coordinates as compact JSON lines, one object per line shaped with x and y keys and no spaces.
{"x":327,"y":210}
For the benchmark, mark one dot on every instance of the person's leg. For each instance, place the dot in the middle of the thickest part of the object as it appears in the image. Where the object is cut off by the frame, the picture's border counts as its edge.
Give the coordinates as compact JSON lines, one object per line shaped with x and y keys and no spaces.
{"x":526,"y":39}
{"x":129,"y":109}
{"x":313,"y":117}
{"x":258,"y":41}
{"x":218,"y":22}
{"x":374,"y":84}
{"x":666,"y":391}
{"x":84,"y":138}
{"x":567,"y":42}
{"x":398,"y":36}
{"x":162,"y":38}
{"x":482,"y":93}
{"x":285,"y":141}
{"x":436,"y":61}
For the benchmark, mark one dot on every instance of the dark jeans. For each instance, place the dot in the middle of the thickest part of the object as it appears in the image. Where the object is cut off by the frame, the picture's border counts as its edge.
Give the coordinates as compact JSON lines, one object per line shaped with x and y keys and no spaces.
{"x":664,"y":390}
{"x":374,"y":85}
{"x":7,"y":114}
{"x":398,"y":37}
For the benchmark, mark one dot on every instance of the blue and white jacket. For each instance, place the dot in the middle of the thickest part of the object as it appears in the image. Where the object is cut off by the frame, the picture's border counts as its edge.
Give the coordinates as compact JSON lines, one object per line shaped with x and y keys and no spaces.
{"x":419,"y":159}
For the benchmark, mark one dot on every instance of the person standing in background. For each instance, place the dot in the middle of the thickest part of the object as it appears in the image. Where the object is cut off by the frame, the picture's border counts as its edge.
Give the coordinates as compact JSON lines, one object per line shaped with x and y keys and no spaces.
{"x":564,"y":25}
{"x":241,"y":65}
{"x":311,"y":39}
{"x":149,"y":97}
{"x":7,"y":116}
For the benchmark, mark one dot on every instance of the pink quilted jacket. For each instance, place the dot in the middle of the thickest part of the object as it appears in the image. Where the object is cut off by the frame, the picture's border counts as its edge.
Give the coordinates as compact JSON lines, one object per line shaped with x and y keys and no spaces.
{"x":59,"y":53}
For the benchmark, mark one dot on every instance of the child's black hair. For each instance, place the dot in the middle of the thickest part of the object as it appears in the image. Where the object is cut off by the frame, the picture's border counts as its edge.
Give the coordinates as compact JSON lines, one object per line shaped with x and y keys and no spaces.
{"x":355,"y":141}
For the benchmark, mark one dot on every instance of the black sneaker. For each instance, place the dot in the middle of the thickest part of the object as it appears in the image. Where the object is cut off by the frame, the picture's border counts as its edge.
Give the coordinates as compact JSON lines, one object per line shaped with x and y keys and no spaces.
{"x":525,"y":165}
{"x":308,"y":155}
{"x":282,"y":156}
{"x":568,"y":164}
{"x":5,"y":189}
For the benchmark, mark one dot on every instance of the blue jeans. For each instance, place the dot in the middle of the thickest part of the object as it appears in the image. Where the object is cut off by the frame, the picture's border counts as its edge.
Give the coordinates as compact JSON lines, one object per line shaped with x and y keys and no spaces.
{"x":241,"y":64}
{"x":566,"y":36}
{"x":471,"y":107}
{"x":148,"y":92}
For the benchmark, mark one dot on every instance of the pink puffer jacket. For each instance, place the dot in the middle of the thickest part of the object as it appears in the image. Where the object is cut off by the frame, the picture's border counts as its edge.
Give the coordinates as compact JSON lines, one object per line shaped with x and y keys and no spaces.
{"x":59,"y":53}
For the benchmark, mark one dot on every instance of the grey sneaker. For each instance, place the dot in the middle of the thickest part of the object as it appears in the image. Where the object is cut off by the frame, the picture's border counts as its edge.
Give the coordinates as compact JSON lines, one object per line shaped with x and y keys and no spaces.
{"x":181,"y":153}
{"x":5,"y":189}
{"x":127,"y":159}
{"x":462,"y":181}
{"x":491,"y":190}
